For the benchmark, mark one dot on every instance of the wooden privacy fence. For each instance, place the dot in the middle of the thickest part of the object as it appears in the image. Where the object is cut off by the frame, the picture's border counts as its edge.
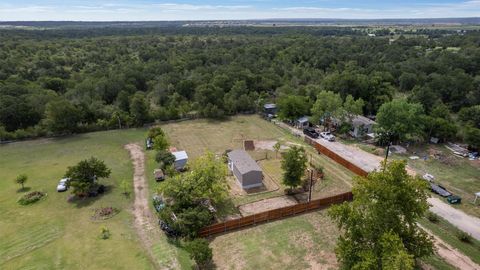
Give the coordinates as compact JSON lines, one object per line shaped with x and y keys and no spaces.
{"x":274,"y":214}
{"x":337,"y":158}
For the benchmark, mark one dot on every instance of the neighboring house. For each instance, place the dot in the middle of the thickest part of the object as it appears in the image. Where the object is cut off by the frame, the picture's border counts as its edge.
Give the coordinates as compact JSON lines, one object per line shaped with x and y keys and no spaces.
{"x":270,"y":109}
{"x":302,"y":122}
{"x":361,"y":126}
{"x":181,"y":159}
{"x":245,"y":169}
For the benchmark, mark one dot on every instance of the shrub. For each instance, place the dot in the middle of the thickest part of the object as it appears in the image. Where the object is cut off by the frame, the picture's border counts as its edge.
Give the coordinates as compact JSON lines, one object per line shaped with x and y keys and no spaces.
{"x":31,"y":197}
{"x":432,"y":217}
{"x":200,"y":252}
{"x":464,"y":237}
{"x":165,"y":158}
{"x":104,"y":233}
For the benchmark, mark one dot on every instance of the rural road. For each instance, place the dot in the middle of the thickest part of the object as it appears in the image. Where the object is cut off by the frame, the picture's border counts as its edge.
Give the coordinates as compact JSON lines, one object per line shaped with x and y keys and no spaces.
{"x":370,"y":162}
{"x":145,"y":222}
{"x":461,"y":220}
{"x":452,"y":255}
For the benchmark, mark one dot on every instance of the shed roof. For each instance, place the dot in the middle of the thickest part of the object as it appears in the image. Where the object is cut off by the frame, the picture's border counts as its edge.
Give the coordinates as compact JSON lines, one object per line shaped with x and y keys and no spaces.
{"x":180,"y":155}
{"x":243,"y":161}
{"x":362,"y":120}
{"x":303,"y":119}
{"x":270,"y":106}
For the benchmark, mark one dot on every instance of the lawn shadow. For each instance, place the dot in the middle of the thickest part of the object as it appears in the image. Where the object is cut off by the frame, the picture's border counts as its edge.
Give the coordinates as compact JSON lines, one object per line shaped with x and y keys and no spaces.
{"x":87,"y":201}
{"x":24,"y":189}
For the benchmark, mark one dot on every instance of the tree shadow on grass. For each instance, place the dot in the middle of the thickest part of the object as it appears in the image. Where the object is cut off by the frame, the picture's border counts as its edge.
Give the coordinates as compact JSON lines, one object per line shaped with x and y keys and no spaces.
{"x":81,"y":202}
{"x":25,"y":189}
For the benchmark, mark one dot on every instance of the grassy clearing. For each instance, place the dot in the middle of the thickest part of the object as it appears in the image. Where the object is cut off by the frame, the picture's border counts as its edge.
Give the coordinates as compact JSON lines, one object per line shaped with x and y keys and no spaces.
{"x":302,"y":242}
{"x":448,"y":233}
{"x":460,"y":176}
{"x":198,"y":136}
{"x":55,"y":234}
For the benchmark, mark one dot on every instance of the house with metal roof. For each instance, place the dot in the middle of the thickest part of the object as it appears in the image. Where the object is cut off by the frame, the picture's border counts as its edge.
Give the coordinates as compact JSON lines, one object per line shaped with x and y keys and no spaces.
{"x":181,"y":159}
{"x":245,"y":169}
{"x":361,"y":126}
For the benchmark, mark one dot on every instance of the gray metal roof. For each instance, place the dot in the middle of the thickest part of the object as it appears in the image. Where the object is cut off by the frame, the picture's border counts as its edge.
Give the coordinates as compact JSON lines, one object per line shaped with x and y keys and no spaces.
{"x":243,"y":161}
{"x":270,"y":106}
{"x":362,"y":120}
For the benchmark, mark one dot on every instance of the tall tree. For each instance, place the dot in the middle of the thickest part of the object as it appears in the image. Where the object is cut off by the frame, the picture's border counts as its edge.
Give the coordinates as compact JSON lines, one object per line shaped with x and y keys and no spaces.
{"x":61,"y":116}
{"x":401,"y":119}
{"x":139,"y":109}
{"x":380,"y":226}
{"x":207,"y":180}
{"x":84,"y":175}
{"x":294,"y":164}
{"x":327,"y":106}
{"x":291,"y":107}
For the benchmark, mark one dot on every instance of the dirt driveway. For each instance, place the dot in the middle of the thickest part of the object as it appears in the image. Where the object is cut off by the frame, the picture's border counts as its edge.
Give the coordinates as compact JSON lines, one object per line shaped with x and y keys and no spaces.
{"x":145,"y":222}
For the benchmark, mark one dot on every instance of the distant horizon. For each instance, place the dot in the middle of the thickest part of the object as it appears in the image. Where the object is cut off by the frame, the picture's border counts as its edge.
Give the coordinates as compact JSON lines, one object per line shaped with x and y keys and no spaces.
{"x":254,"y":19}
{"x":208,"y":10}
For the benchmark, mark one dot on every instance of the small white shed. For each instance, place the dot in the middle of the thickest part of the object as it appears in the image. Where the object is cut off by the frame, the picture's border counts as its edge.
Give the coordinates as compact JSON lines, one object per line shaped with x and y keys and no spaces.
{"x":181,"y":159}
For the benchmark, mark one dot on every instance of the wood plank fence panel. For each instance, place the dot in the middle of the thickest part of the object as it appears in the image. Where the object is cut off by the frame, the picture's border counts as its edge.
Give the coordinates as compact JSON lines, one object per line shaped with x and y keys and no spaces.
{"x":273,"y":214}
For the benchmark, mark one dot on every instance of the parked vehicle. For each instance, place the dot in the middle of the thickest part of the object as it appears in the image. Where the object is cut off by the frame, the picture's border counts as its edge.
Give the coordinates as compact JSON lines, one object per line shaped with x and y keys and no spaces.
{"x":440,"y":190}
{"x":62,"y":185}
{"x":167,"y":229}
{"x":149,"y":144}
{"x":159,"y":175}
{"x":454,"y":199}
{"x":310,"y":132}
{"x":428,"y":177}
{"x":327,"y":136}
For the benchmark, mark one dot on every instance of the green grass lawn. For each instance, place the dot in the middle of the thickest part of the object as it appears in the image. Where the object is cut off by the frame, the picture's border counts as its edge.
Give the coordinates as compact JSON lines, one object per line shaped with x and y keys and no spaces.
{"x":56,"y":234}
{"x":448,"y":233}
{"x":202,"y":135}
{"x":459,"y":176}
{"x":302,"y":242}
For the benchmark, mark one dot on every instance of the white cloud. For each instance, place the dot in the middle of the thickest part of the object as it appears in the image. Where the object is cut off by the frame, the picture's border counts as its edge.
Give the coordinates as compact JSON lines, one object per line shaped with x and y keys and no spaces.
{"x":180,"y":11}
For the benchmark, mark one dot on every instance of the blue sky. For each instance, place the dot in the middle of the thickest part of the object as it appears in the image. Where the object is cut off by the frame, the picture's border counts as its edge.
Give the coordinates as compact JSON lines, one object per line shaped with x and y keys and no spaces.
{"x":114,"y":10}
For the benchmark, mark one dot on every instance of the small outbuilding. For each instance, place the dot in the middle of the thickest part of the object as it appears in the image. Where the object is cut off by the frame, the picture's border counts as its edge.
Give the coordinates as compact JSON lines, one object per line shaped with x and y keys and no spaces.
{"x":361,"y":126}
{"x":245,"y":169}
{"x":181,"y":159}
{"x":270,"y":109}
{"x":302,"y":122}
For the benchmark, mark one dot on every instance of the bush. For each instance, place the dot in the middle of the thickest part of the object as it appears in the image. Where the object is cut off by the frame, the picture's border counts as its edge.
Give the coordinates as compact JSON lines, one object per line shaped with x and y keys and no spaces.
{"x":104,"y":233}
{"x":432,"y":217}
{"x":200,"y":252}
{"x":31,"y":197}
{"x":464,"y":237}
{"x":165,"y":158}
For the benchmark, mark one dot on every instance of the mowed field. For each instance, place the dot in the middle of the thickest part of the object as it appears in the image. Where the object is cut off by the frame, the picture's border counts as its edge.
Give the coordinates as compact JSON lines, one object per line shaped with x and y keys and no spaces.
{"x":199,"y":136}
{"x":56,"y":234}
{"x":302,"y":242}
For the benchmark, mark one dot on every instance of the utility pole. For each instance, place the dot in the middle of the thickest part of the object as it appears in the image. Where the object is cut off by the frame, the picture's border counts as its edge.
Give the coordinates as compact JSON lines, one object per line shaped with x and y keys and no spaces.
{"x":310,"y":189}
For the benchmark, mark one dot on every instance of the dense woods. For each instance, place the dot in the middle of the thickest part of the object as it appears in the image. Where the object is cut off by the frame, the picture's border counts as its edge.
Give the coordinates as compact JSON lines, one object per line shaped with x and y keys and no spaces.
{"x":68,"y":81}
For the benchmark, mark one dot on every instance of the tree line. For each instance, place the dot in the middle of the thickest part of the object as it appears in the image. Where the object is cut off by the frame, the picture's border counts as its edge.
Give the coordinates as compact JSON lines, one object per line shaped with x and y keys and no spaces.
{"x":61,"y":82}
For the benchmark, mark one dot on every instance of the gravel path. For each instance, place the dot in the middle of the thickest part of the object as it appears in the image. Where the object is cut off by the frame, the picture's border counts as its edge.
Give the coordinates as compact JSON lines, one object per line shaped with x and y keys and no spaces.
{"x":452,"y":255}
{"x":458,"y":218}
{"x":145,"y":222}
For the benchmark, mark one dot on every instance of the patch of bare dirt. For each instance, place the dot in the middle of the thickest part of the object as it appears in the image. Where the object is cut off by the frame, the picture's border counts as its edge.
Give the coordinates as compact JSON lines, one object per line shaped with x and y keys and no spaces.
{"x":266,"y":204}
{"x":452,"y":255}
{"x":144,"y":221}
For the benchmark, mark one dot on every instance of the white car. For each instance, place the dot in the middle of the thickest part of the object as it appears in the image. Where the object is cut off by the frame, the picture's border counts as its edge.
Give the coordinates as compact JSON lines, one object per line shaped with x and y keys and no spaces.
{"x":327,"y":136}
{"x":62,"y":185}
